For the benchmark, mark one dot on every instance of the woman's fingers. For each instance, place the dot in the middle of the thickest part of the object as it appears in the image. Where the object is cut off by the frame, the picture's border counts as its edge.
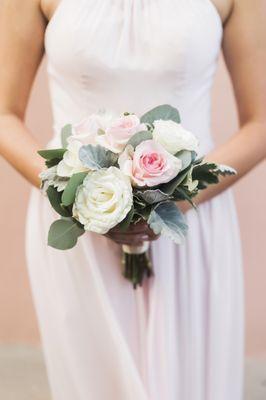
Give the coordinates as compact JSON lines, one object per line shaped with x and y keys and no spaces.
{"x":134,"y":235}
{"x":127,"y":239}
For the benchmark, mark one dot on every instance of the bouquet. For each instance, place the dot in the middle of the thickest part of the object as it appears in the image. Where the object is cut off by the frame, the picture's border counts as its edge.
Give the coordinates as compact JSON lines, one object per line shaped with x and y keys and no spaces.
{"x":118,"y":171}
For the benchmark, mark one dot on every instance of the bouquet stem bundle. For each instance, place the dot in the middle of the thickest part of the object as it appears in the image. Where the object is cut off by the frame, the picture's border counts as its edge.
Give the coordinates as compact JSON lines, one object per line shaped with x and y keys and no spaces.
{"x":136,"y":263}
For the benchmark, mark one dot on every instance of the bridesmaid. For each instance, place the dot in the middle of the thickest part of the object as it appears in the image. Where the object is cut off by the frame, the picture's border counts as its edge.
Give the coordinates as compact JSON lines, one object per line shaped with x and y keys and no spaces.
{"x":86,"y":312}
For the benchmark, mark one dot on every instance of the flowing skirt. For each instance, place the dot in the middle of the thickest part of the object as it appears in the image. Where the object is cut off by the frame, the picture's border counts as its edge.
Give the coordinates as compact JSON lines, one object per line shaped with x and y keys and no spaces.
{"x":179,"y":337}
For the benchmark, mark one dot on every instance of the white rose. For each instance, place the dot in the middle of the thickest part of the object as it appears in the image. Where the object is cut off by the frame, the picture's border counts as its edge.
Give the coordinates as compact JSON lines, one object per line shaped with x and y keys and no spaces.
{"x":103,"y":200}
{"x":173,"y":137}
{"x":71,"y":164}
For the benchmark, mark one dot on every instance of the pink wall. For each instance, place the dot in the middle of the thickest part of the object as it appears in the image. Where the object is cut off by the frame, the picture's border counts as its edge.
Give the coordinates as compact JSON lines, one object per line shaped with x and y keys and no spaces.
{"x":17,"y":319}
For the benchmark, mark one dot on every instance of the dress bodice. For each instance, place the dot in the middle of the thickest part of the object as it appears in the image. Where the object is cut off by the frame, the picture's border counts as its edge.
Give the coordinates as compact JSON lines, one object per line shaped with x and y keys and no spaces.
{"x":131,"y":55}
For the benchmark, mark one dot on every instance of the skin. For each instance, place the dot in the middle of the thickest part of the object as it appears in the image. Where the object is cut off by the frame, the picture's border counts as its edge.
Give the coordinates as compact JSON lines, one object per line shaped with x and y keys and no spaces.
{"x":22,"y":28}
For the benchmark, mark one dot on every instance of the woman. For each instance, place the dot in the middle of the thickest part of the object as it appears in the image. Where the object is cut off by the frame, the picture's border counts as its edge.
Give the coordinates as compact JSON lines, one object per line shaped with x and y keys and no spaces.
{"x":181,"y":336}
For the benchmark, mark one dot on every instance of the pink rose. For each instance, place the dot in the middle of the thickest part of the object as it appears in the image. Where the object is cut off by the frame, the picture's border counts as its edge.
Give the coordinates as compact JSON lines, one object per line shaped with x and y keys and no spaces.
{"x":150,"y":164}
{"x":87,"y":130}
{"x":120,"y":131}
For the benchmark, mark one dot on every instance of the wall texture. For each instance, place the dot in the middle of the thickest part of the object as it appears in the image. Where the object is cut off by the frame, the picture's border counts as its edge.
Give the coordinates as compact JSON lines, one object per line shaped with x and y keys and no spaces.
{"x":17,"y":318}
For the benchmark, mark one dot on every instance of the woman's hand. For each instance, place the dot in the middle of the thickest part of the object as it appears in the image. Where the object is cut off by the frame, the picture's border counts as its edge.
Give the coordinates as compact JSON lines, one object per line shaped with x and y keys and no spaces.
{"x":135,"y":234}
{"x":140,"y":232}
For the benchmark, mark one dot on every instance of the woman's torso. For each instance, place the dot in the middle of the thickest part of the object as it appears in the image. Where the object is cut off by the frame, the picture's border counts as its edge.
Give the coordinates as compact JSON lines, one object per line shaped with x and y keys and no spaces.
{"x":131,"y":55}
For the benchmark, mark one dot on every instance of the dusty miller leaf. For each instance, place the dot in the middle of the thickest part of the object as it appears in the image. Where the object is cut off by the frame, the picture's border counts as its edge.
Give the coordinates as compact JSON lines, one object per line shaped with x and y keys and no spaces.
{"x":65,"y":133}
{"x":97,"y":157}
{"x":167,"y":219}
{"x":152,"y":196}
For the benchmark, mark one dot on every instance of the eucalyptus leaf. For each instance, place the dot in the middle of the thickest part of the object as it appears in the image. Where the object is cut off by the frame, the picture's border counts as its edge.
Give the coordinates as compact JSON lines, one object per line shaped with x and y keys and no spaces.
{"x":55,"y":200}
{"x":152,"y":196}
{"x":69,"y":193}
{"x":64,"y":233}
{"x":165,"y":112}
{"x":53,"y":162}
{"x":50,"y":154}
{"x":166,"y":219}
{"x":65,"y":133}
{"x":139,"y":137}
{"x":97,"y":157}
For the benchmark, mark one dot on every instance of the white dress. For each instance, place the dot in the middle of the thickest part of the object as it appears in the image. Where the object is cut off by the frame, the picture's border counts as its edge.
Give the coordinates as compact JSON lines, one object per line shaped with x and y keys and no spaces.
{"x":181,"y":336}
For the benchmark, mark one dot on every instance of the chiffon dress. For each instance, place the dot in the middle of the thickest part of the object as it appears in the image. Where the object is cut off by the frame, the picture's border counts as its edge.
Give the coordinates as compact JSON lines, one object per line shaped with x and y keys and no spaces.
{"x":180,"y":336}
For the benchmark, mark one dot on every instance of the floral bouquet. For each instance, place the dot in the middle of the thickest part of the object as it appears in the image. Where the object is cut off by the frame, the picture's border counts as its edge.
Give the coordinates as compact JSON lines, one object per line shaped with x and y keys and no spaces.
{"x":114,"y":172}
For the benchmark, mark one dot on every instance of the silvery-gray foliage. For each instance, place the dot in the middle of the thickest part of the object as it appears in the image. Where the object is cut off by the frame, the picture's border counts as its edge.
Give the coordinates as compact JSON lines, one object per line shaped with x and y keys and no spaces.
{"x":187,"y":157}
{"x":139,"y":137}
{"x":97,"y":157}
{"x":166,"y":219}
{"x":164,"y":111}
{"x":151,"y":196}
{"x":65,"y":133}
{"x":225,"y":170}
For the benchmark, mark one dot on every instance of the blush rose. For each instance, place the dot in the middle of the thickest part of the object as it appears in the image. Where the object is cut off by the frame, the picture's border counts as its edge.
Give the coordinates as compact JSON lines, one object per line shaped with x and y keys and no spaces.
{"x":149,"y":164}
{"x":120,"y":131}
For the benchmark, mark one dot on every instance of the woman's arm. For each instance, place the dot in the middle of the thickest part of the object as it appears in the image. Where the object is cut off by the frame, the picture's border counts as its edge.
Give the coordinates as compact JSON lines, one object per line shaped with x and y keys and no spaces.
{"x":22,"y":27}
{"x":244,"y":48}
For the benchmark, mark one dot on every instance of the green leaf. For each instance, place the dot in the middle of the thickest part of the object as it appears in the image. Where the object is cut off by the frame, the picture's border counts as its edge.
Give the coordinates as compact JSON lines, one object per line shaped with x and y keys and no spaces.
{"x":97,"y":157}
{"x":64,"y":233}
{"x":144,"y":213}
{"x":50,"y":154}
{"x":152,"y":196}
{"x":208,"y":173}
{"x":205,"y":174}
{"x":167,"y":219}
{"x":182,"y":194}
{"x":169,"y":187}
{"x":55,"y":200}
{"x":69,"y":193}
{"x":53,"y":162}
{"x":123,"y":226}
{"x":140,"y":204}
{"x":165,"y":112}
{"x":65,"y":133}
{"x":139,"y":137}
